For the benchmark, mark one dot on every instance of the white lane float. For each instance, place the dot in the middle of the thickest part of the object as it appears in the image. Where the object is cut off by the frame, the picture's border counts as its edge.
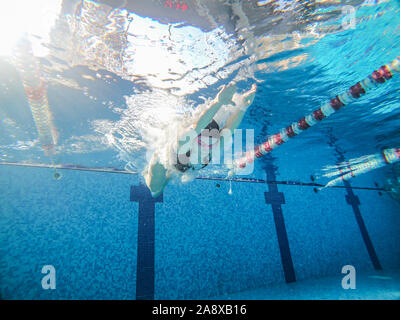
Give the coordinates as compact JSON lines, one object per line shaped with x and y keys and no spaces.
{"x":355,"y":167}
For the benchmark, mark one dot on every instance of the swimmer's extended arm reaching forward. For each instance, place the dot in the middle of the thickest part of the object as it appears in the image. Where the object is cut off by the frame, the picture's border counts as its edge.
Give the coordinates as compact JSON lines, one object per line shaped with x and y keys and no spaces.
{"x":224,"y":97}
{"x":227,"y":96}
{"x":242,"y":102}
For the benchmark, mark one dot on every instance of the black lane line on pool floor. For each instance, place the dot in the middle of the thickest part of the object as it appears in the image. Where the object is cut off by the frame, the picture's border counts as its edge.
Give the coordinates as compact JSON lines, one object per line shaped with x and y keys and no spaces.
{"x":276,"y":199}
{"x":354,"y":202}
{"x":146,"y":241}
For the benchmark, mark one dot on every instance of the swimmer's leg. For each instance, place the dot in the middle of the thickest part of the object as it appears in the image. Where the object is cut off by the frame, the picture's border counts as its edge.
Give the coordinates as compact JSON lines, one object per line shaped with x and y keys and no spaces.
{"x":156,"y":176}
{"x":242,"y":101}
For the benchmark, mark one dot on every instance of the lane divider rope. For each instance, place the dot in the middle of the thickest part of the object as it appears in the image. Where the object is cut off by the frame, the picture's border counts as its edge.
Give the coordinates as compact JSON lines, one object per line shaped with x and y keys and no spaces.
{"x":377,"y":77}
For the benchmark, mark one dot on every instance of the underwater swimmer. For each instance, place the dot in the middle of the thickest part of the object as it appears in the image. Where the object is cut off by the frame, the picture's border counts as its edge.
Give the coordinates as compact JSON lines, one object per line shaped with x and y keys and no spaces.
{"x":202,"y":134}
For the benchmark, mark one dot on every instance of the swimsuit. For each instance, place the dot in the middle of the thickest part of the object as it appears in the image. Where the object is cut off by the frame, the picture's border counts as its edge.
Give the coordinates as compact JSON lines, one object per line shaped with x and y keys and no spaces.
{"x":184,"y":167}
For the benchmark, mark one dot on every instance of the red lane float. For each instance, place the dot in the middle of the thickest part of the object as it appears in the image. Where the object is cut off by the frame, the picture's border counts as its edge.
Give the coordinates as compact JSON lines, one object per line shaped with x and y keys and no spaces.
{"x":354,"y":92}
{"x":36,"y":92}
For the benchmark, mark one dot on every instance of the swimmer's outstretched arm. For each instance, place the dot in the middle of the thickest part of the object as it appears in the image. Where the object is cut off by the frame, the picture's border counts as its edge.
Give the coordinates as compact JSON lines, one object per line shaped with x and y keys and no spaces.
{"x":224,"y":97}
{"x":242,"y":101}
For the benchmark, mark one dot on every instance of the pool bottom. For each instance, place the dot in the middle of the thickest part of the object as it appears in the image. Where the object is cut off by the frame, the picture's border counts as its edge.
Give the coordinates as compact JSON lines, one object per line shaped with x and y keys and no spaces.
{"x":206,"y":243}
{"x":372,"y":285}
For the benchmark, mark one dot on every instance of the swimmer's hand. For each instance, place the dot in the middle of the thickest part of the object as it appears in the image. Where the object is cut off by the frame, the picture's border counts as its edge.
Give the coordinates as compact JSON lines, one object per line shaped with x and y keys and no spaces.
{"x":251,"y":91}
{"x":225,"y":95}
{"x":243,"y":101}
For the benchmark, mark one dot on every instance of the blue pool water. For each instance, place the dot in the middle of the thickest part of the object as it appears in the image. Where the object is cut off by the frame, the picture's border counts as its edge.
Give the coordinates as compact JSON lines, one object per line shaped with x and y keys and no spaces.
{"x":118,"y":73}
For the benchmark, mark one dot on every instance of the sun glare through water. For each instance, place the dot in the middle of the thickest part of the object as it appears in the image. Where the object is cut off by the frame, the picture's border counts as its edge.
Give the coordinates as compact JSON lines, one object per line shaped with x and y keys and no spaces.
{"x":36,"y":19}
